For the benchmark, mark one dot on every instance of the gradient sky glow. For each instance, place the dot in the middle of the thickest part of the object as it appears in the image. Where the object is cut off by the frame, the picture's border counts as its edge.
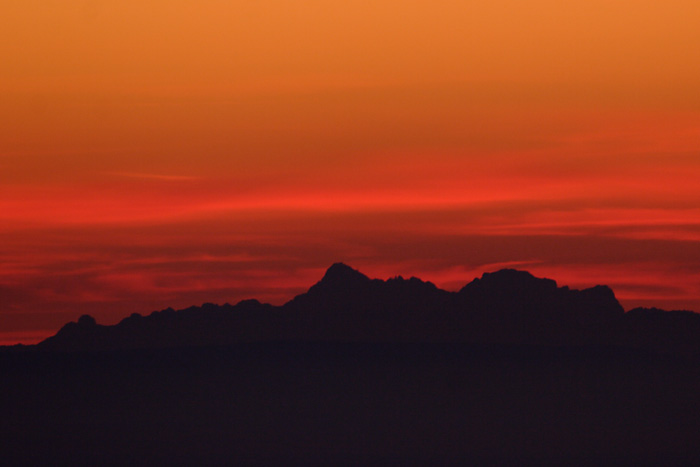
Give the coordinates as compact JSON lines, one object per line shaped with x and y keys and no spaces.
{"x":168,"y":153}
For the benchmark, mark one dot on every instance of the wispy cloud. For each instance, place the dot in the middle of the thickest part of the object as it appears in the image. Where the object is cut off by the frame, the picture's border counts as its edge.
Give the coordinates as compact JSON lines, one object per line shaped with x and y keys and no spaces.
{"x":151,"y":176}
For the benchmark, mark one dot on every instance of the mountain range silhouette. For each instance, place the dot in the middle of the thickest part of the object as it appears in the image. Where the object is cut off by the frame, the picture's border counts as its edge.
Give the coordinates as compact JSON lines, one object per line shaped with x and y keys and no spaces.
{"x":503,"y":307}
{"x":509,"y":370}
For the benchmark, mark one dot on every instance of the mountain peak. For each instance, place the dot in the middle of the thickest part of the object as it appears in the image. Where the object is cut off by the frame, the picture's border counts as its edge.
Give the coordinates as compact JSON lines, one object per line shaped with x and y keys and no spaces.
{"x":510,"y":279}
{"x":340,"y":273}
{"x":513,"y":276}
{"x":87,"y":321}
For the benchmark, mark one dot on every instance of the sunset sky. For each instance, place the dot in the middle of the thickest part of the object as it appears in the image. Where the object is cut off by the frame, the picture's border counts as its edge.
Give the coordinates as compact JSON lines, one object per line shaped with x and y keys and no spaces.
{"x":173,"y":152}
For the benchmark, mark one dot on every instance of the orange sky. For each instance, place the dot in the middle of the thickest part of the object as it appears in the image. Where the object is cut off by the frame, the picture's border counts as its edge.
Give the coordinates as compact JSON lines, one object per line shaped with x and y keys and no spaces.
{"x":169,"y":153}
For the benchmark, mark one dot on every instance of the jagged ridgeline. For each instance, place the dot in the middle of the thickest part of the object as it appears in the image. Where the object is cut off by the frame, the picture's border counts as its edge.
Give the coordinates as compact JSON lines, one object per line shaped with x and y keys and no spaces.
{"x":504,"y":307}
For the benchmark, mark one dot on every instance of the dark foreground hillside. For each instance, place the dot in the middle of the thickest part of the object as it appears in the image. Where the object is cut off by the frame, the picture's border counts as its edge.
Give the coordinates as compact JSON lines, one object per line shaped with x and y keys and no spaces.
{"x":332,"y":403}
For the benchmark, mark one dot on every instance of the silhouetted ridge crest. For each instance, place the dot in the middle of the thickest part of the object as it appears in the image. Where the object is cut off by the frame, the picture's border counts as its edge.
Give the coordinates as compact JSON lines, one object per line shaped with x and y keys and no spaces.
{"x":83,"y":334}
{"x":506,"y":306}
{"x":341,"y":287}
{"x":657,"y":312}
{"x":510,"y":281}
{"x":342,"y":275}
{"x":344,"y":290}
{"x":517,"y":289}
{"x":86,"y":321}
{"x":599,"y":297}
